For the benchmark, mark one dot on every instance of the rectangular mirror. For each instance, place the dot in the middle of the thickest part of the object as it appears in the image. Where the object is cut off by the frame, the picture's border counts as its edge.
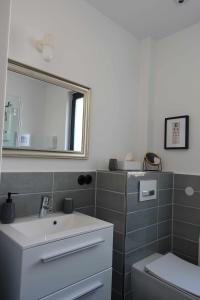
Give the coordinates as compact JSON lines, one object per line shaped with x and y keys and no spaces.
{"x":45,"y":115}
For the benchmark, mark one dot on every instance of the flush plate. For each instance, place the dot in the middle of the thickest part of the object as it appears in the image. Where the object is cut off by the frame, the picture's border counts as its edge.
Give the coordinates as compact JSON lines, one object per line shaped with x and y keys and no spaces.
{"x":148,"y":190}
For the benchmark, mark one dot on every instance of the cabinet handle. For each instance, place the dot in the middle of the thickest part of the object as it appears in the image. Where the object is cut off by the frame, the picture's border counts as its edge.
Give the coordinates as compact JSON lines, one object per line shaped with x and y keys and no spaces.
{"x":72,"y":250}
{"x":79,"y":294}
{"x":87,"y":291}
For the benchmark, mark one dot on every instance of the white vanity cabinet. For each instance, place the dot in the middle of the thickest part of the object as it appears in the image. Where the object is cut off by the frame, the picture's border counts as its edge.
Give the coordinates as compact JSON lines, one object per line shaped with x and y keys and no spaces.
{"x":92,"y":288}
{"x":75,"y":267}
{"x":51,"y":267}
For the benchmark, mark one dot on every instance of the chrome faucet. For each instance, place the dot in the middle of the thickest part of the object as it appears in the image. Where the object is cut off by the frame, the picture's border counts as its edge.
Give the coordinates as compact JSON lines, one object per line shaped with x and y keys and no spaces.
{"x":45,"y":206}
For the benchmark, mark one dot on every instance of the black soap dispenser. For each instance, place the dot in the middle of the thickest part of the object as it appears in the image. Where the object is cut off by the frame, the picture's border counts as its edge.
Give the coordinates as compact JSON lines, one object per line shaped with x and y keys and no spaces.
{"x":8,"y":210}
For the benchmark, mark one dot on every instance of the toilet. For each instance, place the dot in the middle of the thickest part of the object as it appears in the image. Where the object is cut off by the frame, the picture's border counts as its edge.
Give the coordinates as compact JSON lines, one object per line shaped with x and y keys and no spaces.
{"x":164,"y":277}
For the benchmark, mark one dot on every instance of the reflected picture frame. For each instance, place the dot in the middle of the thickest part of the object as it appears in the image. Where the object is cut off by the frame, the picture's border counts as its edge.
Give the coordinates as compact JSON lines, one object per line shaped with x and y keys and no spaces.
{"x":176,"y":134}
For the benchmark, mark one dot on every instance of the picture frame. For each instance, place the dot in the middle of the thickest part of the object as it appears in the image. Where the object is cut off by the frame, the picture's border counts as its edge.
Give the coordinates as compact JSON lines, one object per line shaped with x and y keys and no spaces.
{"x":177,"y":132}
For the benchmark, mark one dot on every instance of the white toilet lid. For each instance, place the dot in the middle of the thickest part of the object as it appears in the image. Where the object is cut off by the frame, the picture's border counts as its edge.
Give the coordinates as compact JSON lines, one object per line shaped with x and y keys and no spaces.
{"x":177,"y":272}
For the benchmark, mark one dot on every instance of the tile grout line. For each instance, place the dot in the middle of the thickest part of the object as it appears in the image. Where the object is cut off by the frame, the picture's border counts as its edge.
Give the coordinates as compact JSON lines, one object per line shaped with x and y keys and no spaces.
{"x":111,"y":210}
{"x":95,"y":195}
{"x":172,"y":231}
{"x":81,"y":207}
{"x":122,"y":173}
{"x":146,"y":209}
{"x":185,"y":239}
{"x":181,"y":253}
{"x":110,"y":191}
{"x":187,"y":206}
{"x":183,"y":189}
{"x":141,"y":228}
{"x":28,"y":194}
{"x":158,"y":211}
{"x":188,"y":223}
{"x":147,"y":244}
{"x":141,"y":247}
{"x":125,"y":227}
{"x":52,"y":191}
{"x":74,"y":190}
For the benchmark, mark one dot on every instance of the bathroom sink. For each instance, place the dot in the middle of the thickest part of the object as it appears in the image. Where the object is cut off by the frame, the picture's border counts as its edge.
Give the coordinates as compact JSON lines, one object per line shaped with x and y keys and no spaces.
{"x":52,"y":225}
{"x":32,"y":231}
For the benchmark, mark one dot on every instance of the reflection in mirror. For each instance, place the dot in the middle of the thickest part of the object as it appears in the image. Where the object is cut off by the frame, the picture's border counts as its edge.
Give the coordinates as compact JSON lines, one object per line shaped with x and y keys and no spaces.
{"x":41,"y":115}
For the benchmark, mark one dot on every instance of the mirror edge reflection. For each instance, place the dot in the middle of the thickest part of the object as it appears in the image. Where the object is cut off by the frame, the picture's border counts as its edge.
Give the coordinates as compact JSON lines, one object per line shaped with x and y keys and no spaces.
{"x":56,"y":80}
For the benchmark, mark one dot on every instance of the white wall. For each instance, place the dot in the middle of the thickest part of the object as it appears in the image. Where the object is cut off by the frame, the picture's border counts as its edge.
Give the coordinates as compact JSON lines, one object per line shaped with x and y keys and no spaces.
{"x":177,"y":92}
{"x":90,"y":50}
{"x":4,"y":40}
{"x":145,"y":90}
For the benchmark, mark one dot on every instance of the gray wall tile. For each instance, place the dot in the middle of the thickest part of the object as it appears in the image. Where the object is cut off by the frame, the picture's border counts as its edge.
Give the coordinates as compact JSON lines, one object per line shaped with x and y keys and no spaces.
{"x":111,"y":200}
{"x":26,"y":183}
{"x":165,"y":181}
{"x":164,"y":213}
{"x":139,"y":254}
{"x":164,"y":228}
{"x":129,"y":296}
{"x":111,"y":181}
{"x":187,"y":214}
{"x":81,"y":198}
{"x":181,"y":198}
{"x":118,"y":241}
{"x":165,"y":197}
{"x":186,"y":231}
{"x":140,"y":237}
{"x":31,"y":187}
{"x":116,"y":296}
{"x":185,"y":247}
{"x":141,"y":219}
{"x":182,"y":181}
{"x":118,"y":261}
{"x":127,"y":282}
{"x":90,"y":210}
{"x":114,"y":217}
{"x":68,"y":181}
{"x":193,"y":260}
{"x":117,"y":281}
{"x":164,"y":245}
{"x":26,"y":205}
{"x":134,"y":204}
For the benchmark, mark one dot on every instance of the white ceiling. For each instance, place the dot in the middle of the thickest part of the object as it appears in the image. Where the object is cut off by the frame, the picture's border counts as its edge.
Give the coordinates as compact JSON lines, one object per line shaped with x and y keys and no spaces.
{"x":155,"y":18}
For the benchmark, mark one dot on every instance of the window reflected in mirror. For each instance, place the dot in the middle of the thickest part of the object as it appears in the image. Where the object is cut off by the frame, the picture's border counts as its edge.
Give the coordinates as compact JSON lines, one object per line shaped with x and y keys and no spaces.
{"x":43,"y":116}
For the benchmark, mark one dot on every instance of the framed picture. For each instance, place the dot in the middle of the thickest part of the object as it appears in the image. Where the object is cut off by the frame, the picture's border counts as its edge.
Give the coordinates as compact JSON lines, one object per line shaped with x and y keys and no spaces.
{"x":177,"y":133}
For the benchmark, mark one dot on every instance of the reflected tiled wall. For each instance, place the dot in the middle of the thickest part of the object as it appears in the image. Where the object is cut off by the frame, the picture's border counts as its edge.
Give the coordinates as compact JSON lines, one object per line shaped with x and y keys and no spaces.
{"x":32,"y":186}
{"x":186,"y":221}
{"x":141,"y":228}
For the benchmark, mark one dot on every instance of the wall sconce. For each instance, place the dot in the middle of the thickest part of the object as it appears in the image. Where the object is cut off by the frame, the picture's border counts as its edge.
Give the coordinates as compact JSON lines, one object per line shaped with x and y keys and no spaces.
{"x":45,"y":47}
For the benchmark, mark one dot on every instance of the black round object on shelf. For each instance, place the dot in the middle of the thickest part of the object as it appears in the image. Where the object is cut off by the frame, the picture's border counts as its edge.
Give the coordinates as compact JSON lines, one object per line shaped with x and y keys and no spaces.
{"x":81,"y":179}
{"x":88,"y":179}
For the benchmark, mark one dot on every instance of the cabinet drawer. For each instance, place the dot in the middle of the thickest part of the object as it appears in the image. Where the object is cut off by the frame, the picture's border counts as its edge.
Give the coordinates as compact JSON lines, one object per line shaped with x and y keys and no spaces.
{"x":51,"y":267}
{"x":97,"y":287}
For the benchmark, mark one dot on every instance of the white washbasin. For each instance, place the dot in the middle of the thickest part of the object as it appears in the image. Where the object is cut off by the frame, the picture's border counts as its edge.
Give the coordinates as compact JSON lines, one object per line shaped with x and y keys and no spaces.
{"x":51,"y":225}
{"x":28,"y":232}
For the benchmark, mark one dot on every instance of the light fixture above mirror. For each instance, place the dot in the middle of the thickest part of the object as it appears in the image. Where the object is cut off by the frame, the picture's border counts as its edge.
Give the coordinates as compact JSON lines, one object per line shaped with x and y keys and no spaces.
{"x":45,"y":47}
